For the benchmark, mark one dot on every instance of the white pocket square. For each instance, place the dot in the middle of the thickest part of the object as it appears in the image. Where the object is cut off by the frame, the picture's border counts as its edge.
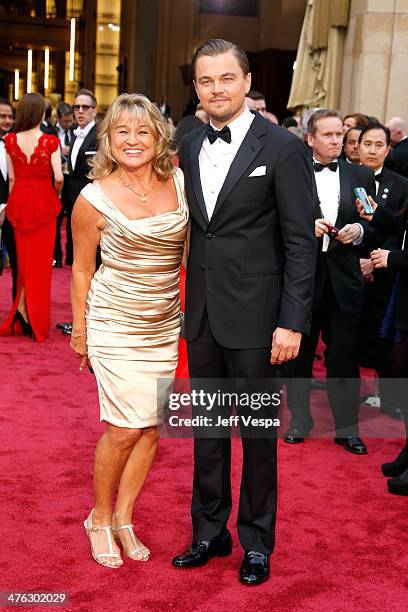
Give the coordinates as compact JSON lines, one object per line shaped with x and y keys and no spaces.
{"x":90,"y":152}
{"x":259,"y":171}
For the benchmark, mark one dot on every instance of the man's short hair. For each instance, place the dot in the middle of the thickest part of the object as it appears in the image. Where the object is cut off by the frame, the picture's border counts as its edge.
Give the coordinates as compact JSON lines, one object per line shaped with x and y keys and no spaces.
{"x":358,"y":127}
{"x":217,"y":46}
{"x":322,"y":113}
{"x":64,"y":108}
{"x":86,"y":92}
{"x":255,"y":95}
{"x":6,"y":102}
{"x":376,"y":125}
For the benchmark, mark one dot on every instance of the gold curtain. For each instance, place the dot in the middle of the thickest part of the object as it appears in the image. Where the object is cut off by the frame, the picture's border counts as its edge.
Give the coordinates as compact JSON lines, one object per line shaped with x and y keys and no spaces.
{"x":316,"y":80}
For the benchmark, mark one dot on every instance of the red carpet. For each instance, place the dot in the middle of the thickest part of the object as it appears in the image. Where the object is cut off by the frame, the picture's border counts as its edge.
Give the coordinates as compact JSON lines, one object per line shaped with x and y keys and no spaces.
{"x":342,"y":540}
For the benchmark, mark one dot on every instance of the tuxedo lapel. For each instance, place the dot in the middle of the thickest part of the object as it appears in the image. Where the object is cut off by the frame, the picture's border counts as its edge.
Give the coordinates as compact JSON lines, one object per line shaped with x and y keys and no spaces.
{"x":195,"y":148}
{"x":247,"y":152}
{"x":345,"y":193}
{"x":69,"y":162}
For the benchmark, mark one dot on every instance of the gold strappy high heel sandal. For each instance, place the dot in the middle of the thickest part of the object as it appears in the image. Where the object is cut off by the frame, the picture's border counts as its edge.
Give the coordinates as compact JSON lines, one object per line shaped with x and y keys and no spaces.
{"x":138,"y":547}
{"x":90,"y":527}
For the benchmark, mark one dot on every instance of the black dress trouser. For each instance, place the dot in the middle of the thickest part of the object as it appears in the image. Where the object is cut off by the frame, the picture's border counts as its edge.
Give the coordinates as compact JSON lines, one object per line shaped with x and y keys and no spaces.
{"x":246,"y":371}
{"x":340,"y":334}
{"x":7,"y":233}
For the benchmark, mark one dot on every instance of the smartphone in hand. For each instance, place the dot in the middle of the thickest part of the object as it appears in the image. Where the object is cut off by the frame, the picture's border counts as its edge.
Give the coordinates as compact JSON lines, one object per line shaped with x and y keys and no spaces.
{"x":361,"y":194}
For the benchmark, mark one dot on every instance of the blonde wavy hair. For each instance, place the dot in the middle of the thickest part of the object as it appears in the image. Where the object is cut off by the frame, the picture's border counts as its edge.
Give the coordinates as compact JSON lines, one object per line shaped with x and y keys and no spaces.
{"x":139,"y":109}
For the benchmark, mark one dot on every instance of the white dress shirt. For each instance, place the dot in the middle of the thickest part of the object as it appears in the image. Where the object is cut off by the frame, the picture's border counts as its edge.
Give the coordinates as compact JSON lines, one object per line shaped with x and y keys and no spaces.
{"x":80,"y":135}
{"x":328,"y":191}
{"x":3,"y":160}
{"x":377,"y":183}
{"x":61,"y":135}
{"x":215,"y":159}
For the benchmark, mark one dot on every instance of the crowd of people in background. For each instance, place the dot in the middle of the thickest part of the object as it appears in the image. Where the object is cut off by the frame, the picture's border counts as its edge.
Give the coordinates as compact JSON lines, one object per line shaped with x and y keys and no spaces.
{"x":360,"y":283}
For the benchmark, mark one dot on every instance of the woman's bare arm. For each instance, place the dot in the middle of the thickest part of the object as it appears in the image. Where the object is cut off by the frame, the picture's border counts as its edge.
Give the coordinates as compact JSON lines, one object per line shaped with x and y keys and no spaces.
{"x":87,"y":224}
{"x":57,"y":170}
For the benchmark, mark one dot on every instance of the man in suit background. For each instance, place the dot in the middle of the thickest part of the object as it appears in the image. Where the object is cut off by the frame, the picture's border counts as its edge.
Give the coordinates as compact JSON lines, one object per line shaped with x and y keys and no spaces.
{"x":397,"y":159}
{"x":65,"y":133}
{"x":249,"y":281}
{"x":339,"y":287}
{"x":391,"y":193}
{"x":6,"y":229}
{"x":83,"y":147}
{"x":351,"y":146}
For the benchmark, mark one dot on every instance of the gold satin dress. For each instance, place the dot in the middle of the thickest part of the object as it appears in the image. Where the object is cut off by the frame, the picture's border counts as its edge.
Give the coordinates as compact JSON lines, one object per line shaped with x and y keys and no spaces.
{"x":133,"y":310}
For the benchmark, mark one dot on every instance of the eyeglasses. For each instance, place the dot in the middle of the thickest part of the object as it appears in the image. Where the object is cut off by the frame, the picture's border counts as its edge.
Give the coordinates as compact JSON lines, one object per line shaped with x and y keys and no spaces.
{"x":84,"y":107}
{"x":6,"y":116}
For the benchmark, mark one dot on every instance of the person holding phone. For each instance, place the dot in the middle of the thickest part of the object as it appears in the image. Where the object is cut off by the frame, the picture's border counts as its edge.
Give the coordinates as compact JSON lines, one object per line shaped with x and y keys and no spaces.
{"x":395,"y":323}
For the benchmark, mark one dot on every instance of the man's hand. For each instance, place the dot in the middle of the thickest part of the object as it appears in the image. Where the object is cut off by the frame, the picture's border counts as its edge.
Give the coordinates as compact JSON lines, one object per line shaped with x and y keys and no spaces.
{"x":379,"y":257}
{"x":367,"y":268}
{"x":285,"y":345}
{"x":321,"y":227}
{"x":361,"y":211}
{"x":349,"y":233}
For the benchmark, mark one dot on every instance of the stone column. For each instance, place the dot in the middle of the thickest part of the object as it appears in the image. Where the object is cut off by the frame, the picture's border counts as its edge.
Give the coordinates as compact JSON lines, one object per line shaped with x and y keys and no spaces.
{"x":375,"y":59}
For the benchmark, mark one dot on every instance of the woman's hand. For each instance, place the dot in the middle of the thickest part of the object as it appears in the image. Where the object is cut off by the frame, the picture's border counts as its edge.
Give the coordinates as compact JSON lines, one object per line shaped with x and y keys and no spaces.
{"x":379,"y":257}
{"x":79,"y":347}
{"x":361,"y":211}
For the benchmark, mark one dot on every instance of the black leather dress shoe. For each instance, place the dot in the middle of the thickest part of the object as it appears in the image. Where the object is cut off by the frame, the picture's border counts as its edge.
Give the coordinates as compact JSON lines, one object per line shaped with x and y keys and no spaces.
{"x":57,"y":263}
{"x":352,"y":444}
{"x":66,"y":328}
{"x":254,"y":568}
{"x":393,"y":412}
{"x":397,"y":467}
{"x":294,"y":436}
{"x":399,"y":486}
{"x":201,"y":551}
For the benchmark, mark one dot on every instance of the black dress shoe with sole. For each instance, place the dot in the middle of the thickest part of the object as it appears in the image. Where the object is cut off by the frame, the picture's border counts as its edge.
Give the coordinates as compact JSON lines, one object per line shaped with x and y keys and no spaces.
{"x":398,"y":466}
{"x":399,"y":486}
{"x":353,"y":444}
{"x":201,"y":551}
{"x":254,"y":568}
{"x":294,"y":436}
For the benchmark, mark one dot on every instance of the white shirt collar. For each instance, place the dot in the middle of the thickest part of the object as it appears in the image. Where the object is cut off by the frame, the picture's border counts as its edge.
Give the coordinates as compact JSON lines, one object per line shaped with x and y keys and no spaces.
{"x":83,"y":132}
{"x":378,"y":171}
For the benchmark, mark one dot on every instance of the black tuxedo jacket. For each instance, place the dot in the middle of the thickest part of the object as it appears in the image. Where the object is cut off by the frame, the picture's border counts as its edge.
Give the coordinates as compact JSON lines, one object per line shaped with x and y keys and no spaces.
{"x":78,"y":177}
{"x":341,"y":263}
{"x":252,"y":265}
{"x":397,"y":159}
{"x":4,"y":189}
{"x":397,"y":225}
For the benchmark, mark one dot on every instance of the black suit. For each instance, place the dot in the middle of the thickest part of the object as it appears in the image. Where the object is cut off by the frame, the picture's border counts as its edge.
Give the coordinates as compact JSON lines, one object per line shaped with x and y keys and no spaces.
{"x":338,"y":302}
{"x":65,"y":200}
{"x":78,"y":179}
{"x":397,"y":159}
{"x":250,"y":269}
{"x":375,"y":351}
{"x":7,"y":235}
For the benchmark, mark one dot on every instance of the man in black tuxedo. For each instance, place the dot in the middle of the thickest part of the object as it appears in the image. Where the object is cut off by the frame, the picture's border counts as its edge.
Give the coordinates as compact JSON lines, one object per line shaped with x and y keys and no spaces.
{"x":391,"y":193}
{"x":397,"y":159}
{"x":339,"y":287}
{"x":7,"y":233}
{"x":249,"y":282}
{"x":83,"y":147}
{"x":65,"y":133}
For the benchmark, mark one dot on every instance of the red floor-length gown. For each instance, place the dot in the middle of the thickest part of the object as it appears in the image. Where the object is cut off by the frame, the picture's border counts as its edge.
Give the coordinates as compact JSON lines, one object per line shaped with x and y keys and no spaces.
{"x":32,"y":208}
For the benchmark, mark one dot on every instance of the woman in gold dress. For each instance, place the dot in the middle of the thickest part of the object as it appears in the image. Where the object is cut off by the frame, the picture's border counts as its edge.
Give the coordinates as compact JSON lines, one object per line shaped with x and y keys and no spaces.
{"x":126,"y":316}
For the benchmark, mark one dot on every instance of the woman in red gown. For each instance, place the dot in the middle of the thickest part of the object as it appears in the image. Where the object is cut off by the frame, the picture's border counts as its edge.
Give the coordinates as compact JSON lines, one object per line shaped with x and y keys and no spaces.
{"x":33,"y":205}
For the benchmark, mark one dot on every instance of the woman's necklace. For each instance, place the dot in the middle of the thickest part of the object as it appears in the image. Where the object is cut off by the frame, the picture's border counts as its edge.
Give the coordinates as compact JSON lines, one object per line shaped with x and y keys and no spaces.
{"x":142,"y":196}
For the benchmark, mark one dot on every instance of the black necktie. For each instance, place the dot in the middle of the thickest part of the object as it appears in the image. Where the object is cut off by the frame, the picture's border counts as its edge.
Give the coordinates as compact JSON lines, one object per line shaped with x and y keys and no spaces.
{"x":224,"y":134}
{"x":66,"y":139}
{"x":318,"y":167}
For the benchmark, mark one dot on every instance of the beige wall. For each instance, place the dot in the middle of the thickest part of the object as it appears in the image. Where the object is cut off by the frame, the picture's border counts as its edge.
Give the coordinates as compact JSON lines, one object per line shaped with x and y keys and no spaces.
{"x":375,"y":59}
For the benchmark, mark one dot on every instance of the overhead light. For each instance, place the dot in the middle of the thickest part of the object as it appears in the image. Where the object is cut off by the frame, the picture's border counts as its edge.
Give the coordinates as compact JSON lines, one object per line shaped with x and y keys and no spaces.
{"x":29,"y":70}
{"x":72,"y":51}
{"x":46,"y":67}
{"x":16,"y":84}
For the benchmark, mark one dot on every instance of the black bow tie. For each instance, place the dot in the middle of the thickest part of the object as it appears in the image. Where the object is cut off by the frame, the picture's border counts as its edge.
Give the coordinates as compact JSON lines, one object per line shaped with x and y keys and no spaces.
{"x":224,"y":134}
{"x":379,"y":177}
{"x":318,"y":167}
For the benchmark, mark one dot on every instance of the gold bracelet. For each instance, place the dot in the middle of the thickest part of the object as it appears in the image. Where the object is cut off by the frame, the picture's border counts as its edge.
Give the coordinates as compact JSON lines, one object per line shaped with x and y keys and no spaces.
{"x":78,"y":335}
